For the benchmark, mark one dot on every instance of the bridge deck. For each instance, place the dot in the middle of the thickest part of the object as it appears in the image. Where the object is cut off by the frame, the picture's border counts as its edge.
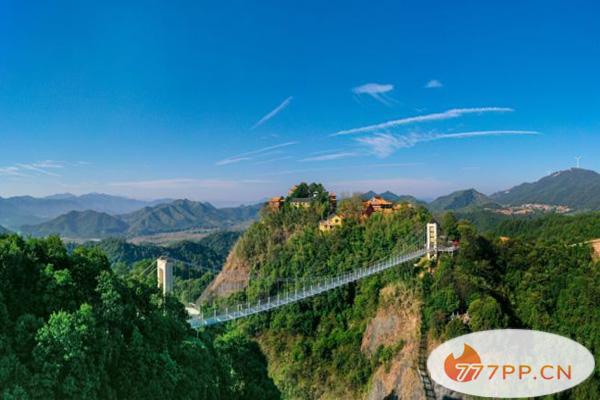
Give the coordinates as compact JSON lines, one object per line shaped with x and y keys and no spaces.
{"x":273,"y":302}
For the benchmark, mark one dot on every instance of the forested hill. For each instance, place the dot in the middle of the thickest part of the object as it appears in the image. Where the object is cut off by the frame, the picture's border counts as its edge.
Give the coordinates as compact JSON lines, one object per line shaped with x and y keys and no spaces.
{"x":80,"y":224}
{"x":576,"y":188}
{"x":334,"y":345}
{"x":3,"y":230}
{"x":360,"y":341}
{"x":70,"y":328}
{"x":460,"y":200}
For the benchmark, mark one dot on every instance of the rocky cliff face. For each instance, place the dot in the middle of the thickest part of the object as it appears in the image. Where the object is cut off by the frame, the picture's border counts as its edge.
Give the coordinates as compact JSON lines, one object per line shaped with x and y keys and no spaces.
{"x":232,"y":278}
{"x":395,"y":329}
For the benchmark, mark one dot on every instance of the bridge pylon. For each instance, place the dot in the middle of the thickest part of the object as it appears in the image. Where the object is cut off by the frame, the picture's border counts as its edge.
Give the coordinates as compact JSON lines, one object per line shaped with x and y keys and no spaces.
{"x":432,"y":240}
{"x":164,"y":275}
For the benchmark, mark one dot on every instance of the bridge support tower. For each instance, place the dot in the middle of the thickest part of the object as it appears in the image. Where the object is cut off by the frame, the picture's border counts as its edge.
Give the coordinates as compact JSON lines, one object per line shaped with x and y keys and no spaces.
{"x":164,"y":275}
{"x":432,"y":248}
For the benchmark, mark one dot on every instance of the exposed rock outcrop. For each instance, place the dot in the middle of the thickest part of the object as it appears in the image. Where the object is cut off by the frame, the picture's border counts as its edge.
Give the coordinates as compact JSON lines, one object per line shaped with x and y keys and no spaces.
{"x":233,"y":277}
{"x":395,"y":325}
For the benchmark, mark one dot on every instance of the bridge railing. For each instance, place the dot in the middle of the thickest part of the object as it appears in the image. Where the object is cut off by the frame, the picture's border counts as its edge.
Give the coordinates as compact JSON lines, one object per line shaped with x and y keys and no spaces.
{"x":272,"y":302}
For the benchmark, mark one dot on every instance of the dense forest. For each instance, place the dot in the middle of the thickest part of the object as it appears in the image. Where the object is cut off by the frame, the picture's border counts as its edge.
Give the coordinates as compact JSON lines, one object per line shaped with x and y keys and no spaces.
{"x":89,"y":322}
{"x":72,"y":328}
{"x":572,"y":229}
{"x":543,"y":283}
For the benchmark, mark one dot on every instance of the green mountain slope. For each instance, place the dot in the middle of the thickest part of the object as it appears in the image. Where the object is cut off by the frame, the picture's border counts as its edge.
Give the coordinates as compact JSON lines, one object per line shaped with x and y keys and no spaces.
{"x":461,"y":199}
{"x":71,"y":328}
{"x":323,"y":347}
{"x":176,"y":216}
{"x":576,"y":188}
{"x":186,"y":214}
{"x":80,"y":224}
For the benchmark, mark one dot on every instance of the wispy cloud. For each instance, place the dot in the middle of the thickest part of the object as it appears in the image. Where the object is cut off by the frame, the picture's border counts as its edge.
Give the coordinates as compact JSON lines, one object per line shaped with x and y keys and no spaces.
{"x":39,"y":168}
{"x":332,"y":156}
{"x":11,"y":171}
{"x":385,"y":144}
{"x":233,"y":160}
{"x":361,"y":167}
{"x":273,"y":112}
{"x":250,"y":155}
{"x":375,"y":90}
{"x":433,"y":84}
{"x":270,"y":160}
{"x":449,"y":114}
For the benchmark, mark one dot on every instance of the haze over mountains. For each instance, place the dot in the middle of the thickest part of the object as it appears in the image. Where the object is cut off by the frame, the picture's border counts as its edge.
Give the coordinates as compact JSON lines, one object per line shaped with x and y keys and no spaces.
{"x":179,"y":215}
{"x":27,"y":210}
{"x":99,"y":216}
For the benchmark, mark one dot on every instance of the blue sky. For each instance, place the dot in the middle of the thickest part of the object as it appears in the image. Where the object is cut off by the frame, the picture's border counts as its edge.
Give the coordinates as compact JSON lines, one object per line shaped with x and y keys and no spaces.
{"x":236,"y":101}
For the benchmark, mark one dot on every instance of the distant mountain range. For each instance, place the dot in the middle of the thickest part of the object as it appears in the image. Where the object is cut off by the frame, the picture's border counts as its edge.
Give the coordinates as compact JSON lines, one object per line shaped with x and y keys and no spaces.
{"x":23,"y":210}
{"x":98,"y":215}
{"x":389,"y":196}
{"x":576,"y":188}
{"x":178,"y":215}
{"x":3,"y":230}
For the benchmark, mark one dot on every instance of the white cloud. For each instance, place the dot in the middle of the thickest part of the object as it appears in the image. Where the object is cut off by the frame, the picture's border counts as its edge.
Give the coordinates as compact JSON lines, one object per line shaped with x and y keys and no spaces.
{"x":331,"y":156}
{"x":449,"y":114}
{"x":49,"y":164}
{"x":385,"y":144}
{"x":270,"y":160}
{"x":433,"y":84}
{"x":37,"y":168}
{"x":11,"y":171}
{"x":375,"y":90}
{"x":233,"y":160}
{"x":273,"y":112}
{"x":250,"y":155}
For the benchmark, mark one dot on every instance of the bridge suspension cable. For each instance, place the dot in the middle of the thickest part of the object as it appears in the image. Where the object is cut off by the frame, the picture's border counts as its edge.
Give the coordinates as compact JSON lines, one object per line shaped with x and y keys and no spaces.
{"x":241,"y":310}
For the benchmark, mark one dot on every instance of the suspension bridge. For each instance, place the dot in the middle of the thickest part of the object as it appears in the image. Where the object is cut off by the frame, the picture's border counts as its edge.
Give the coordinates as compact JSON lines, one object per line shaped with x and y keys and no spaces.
{"x":200,"y":319}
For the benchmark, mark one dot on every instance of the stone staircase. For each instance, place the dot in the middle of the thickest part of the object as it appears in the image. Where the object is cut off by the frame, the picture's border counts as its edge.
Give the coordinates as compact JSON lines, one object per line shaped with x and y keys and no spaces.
{"x":428,"y":388}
